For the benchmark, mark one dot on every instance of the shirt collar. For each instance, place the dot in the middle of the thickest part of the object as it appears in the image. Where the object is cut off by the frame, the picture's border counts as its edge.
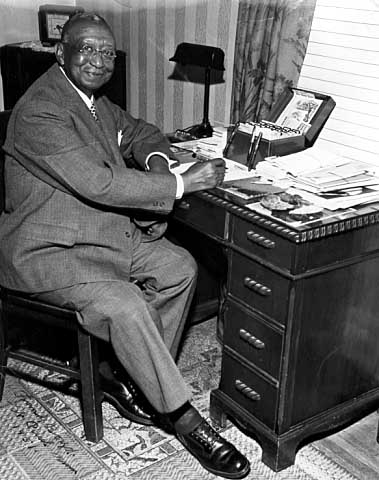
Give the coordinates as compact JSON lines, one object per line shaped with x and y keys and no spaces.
{"x":83,"y":96}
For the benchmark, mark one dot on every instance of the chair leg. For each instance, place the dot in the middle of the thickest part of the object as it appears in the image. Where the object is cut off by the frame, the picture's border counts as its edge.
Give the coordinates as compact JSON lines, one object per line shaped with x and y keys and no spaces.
{"x":3,"y":350}
{"x":91,"y":395}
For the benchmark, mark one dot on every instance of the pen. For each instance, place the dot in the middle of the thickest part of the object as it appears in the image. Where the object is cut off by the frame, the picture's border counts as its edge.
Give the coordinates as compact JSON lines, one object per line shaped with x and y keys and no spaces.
{"x":199,"y":148}
{"x":207,"y":143}
{"x":254,"y":156}
{"x":229,"y":142}
{"x":182,"y":149}
{"x":251,"y":148}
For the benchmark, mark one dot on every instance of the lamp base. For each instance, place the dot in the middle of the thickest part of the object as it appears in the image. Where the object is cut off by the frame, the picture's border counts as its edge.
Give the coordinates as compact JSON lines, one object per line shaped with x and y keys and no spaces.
{"x":201,"y":130}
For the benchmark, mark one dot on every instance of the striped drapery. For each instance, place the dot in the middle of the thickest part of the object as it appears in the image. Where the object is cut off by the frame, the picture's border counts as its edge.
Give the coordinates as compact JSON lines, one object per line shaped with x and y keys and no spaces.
{"x":271,"y":42}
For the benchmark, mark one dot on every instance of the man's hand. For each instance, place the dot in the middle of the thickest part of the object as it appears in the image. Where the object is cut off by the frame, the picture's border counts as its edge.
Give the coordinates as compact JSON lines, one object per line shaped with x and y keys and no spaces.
{"x":151,"y":229}
{"x":202,"y":176}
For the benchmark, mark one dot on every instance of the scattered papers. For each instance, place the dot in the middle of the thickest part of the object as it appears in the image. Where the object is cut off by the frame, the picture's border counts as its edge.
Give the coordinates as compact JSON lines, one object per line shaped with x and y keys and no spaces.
{"x":324,"y":178}
{"x":341,"y":200}
{"x":234,"y":170}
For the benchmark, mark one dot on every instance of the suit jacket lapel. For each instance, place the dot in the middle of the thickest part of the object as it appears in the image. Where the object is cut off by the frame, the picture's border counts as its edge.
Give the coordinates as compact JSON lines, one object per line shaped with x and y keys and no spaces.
{"x":72,"y":101}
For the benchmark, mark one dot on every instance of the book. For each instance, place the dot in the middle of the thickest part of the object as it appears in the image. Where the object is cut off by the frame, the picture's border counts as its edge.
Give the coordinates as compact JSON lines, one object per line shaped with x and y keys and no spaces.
{"x":245,"y":191}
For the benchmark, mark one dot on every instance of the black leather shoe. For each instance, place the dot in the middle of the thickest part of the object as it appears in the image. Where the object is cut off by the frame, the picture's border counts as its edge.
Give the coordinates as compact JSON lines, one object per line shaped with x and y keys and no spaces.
{"x":215,"y":454}
{"x":125,"y":397}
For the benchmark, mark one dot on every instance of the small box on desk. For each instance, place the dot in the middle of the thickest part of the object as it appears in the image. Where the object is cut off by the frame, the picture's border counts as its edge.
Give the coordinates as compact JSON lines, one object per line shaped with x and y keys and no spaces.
{"x":294,"y":124}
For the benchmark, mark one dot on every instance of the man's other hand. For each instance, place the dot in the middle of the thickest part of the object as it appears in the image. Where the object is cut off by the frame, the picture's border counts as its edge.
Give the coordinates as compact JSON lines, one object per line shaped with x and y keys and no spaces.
{"x":204,"y":175}
{"x":151,"y":229}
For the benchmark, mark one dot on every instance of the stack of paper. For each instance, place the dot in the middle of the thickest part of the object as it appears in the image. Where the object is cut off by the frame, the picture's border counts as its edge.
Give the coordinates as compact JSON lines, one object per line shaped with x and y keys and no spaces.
{"x":208,"y":147}
{"x":299,"y":163}
{"x":336,"y":178}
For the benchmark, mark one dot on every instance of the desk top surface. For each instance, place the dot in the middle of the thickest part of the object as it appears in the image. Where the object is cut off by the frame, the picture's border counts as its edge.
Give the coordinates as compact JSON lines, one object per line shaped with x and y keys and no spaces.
{"x":330,"y":223}
{"x":299,"y":228}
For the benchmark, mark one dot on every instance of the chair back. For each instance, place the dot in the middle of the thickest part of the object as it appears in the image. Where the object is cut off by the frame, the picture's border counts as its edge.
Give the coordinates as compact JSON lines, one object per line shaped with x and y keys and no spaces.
{"x":4,"y":117}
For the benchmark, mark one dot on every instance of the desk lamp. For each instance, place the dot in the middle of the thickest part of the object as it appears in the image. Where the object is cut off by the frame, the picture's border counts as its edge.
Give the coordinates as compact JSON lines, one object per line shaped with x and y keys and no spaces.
{"x":209,"y":58}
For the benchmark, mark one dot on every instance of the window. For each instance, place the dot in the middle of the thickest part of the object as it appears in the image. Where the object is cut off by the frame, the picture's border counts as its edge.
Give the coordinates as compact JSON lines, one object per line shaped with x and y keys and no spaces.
{"x":342,"y":60}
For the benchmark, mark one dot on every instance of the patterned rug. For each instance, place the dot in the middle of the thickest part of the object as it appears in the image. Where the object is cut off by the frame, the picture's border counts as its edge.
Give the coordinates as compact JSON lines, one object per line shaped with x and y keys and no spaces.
{"x":41,"y":433}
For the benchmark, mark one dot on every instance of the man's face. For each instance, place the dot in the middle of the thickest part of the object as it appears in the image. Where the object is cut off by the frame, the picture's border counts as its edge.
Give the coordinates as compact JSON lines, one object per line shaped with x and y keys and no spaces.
{"x":85,"y":66}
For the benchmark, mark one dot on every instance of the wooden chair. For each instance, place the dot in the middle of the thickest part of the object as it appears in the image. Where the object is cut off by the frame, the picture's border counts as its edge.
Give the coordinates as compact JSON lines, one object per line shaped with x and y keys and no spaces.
{"x":17,"y":306}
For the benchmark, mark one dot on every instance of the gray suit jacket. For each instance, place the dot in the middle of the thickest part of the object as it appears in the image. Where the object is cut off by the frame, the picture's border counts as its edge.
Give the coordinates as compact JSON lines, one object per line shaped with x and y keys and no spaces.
{"x":69,"y":194}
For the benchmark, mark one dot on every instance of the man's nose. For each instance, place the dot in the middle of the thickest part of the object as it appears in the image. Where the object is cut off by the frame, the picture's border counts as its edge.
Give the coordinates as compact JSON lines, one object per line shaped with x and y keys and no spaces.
{"x":97,"y":59}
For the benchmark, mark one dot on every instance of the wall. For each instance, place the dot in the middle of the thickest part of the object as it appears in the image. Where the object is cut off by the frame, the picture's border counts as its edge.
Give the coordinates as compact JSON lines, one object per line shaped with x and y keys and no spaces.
{"x":149,"y":31}
{"x":343,"y":61}
{"x":19,"y":22}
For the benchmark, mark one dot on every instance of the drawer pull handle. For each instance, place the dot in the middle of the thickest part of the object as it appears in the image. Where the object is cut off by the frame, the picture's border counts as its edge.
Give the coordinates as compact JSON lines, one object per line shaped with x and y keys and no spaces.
{"x":184,"y":205}
{"x":247,"y":391}
{"x":251,"y":340}
{"x":260,"y":240}
{"x":256,"y":287}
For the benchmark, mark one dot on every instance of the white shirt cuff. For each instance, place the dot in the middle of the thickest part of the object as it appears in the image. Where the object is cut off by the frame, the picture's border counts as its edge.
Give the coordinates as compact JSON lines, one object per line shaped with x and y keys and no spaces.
{"x":179,"y":185}
{"x":179,"y":179}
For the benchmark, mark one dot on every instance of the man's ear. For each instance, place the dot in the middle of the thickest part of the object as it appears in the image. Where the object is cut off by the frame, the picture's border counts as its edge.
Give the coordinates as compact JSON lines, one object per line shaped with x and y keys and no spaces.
{"x":59,"y":53}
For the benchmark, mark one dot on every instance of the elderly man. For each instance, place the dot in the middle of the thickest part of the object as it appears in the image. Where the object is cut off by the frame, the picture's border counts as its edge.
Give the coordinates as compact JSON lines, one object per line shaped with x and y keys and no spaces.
{"x":72,"y":233}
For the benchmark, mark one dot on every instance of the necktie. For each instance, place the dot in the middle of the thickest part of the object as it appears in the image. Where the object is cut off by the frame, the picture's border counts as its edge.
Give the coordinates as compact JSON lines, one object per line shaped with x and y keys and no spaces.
{"x":93,"y":111}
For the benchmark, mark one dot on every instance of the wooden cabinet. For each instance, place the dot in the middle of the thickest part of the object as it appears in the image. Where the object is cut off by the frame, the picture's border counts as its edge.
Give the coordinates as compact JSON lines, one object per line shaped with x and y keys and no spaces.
{"x":22,"y":65}
{"x":300,"y":324}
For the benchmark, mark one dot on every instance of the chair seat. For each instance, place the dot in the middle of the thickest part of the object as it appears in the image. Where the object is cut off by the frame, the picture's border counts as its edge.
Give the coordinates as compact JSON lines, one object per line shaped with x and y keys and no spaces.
{"x":18,"y":306}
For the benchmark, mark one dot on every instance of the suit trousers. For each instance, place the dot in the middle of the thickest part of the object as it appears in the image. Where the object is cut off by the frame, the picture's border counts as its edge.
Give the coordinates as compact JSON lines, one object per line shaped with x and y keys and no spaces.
{"x":145,"y":326}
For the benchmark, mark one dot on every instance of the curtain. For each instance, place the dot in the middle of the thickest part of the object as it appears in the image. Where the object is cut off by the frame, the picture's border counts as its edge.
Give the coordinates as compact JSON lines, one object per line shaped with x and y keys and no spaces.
{"x":271,"y":42}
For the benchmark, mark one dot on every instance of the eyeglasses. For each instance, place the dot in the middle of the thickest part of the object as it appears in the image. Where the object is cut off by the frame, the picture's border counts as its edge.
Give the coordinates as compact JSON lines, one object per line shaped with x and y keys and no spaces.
{"x":88,"y":51}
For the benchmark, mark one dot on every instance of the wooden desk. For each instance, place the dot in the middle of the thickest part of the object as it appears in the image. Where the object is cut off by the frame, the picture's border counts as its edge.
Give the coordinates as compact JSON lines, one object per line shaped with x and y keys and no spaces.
{"x":300,"y":322}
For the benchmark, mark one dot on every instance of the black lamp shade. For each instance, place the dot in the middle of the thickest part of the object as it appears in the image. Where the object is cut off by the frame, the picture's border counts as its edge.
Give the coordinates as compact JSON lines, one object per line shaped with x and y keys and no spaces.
{"x":212,"y":60}
{"x":200,"y":55}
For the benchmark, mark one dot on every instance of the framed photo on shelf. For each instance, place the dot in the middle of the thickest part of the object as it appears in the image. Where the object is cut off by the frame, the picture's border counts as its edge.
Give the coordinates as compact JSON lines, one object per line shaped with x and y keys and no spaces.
{"x":51,"y":19}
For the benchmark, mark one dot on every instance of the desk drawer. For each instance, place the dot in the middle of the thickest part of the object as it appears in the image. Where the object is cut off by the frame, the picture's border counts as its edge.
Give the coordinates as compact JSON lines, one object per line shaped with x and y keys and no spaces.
{"x":262,"y":243}
{"x":252,"y":392}
{"x":204,"y":216}
{"x":254,"y":340}
{"x":261,"y":288}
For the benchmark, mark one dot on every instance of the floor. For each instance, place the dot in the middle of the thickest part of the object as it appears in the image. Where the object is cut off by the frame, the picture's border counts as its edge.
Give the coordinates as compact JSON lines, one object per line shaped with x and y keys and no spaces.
{"x":355,"y":448}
